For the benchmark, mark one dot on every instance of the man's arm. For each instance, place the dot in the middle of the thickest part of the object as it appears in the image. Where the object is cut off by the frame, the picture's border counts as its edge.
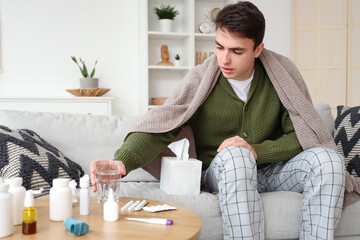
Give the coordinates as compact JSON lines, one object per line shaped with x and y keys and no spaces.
{"x":281,"y":149}
{"x":140,"y":148}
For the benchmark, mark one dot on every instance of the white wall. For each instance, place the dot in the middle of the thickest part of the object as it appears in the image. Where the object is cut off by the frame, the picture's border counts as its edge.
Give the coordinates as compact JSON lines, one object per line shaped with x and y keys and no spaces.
{"x":39,"y":36}
{"x":277,"y":15}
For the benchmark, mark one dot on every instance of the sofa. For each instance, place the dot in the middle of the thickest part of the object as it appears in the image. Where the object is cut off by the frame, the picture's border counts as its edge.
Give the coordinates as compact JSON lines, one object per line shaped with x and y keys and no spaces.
{"x":84,"y":138}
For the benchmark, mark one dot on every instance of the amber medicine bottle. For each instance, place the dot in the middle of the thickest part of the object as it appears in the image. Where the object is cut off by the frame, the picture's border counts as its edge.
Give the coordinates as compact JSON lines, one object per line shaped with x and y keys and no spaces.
{"x":29,"y":216}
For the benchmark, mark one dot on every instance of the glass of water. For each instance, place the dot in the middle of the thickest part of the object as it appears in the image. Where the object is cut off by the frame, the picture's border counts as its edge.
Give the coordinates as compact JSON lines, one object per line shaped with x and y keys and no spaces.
{"x":107,"y":175}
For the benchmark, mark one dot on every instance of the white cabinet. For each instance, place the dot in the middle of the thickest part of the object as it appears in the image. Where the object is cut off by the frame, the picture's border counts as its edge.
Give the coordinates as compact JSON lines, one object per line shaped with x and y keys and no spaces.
{"x":83,"y":105}
{"x":185,"y":39}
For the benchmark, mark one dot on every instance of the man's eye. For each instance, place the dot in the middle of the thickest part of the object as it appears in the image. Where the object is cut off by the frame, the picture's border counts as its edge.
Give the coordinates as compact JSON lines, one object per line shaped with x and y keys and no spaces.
{"x":219,"y":47}
{"x":237,"y":52}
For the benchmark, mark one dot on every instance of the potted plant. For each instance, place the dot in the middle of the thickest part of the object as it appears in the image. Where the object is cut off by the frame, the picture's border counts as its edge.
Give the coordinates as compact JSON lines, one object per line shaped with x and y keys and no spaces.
{"x":88,"y":81}
{"x":177,"y":60}
{"x":166,"y":15}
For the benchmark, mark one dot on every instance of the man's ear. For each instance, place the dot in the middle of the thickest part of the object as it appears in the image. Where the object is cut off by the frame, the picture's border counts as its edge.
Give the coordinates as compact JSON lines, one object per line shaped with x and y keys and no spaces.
{"x":259,"y":49}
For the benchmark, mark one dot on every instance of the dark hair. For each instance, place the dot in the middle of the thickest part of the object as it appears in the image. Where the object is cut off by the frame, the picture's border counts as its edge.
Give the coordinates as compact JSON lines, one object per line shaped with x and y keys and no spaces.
{"x":243,"y":19}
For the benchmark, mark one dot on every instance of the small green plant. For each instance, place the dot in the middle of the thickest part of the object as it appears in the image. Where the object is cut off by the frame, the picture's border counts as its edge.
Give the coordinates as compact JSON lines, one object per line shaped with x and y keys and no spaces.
{"x":177,"y":57}
{"x":166,"y":12}
{"x":83,"y":69}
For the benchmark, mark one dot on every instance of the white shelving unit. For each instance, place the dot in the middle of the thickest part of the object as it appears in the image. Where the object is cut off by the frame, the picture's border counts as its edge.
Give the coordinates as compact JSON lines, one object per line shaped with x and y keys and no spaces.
{"x":185,"y":40}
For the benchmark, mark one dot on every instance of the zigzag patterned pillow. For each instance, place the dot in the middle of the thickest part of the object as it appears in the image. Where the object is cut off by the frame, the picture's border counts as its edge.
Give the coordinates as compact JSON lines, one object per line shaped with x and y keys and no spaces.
{"x":347,"y":137}
{"x":25,"y":154}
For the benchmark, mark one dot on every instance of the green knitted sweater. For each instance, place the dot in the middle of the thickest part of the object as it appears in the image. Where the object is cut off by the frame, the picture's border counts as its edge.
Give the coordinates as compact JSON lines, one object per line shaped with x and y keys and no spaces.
{"x":262,"y":121}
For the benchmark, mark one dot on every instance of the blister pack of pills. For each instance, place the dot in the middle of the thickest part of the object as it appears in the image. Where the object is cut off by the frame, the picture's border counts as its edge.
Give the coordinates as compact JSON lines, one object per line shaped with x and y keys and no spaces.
{"x":132,"y":206}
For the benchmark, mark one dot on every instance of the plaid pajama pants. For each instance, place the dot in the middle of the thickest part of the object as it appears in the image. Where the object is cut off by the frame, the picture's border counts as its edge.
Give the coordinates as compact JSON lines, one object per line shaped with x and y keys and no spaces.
{"x":318,"y":173}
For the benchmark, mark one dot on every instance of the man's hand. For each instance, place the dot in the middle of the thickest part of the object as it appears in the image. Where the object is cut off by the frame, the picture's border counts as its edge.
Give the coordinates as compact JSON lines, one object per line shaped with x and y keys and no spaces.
{"x":92,"y":172}
{"x":238,"y":142}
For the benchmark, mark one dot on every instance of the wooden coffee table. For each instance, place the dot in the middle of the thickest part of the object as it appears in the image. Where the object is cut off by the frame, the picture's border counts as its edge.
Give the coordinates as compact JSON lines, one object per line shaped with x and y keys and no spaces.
{"x":186,"y":225}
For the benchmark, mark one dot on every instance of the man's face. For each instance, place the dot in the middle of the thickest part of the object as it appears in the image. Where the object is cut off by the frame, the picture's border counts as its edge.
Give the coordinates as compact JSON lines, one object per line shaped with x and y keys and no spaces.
{"x":236,"y":55}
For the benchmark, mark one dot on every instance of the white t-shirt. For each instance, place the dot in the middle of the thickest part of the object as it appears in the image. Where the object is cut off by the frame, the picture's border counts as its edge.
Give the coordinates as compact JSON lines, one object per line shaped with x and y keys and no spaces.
{"x":241,"y":88}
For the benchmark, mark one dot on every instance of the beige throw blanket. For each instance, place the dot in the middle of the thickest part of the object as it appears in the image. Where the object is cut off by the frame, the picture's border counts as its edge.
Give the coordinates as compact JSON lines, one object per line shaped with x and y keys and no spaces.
{"x":288,"y":83}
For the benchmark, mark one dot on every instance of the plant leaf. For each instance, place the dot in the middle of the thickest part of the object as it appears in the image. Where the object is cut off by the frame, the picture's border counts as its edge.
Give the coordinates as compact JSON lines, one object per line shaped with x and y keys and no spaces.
{"x":81,"y":70}
{"x":93,"y":71}
{"x":84,"y":70}
{"x":74,"y":59}
{"x":166,"y":12}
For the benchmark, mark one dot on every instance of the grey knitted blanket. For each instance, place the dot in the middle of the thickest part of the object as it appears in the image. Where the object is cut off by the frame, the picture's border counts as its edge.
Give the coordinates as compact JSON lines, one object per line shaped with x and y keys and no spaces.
{"x":289,"y":85}
{"x":198,"y":83}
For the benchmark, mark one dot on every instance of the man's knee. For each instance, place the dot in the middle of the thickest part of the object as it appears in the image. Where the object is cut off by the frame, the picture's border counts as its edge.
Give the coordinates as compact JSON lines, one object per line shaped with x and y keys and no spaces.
{"x":327,"y":160}
{"x":233,"y":157}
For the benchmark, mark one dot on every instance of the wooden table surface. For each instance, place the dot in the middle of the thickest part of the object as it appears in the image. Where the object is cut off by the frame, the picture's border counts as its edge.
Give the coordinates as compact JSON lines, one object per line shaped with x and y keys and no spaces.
{"x":186,"y":224}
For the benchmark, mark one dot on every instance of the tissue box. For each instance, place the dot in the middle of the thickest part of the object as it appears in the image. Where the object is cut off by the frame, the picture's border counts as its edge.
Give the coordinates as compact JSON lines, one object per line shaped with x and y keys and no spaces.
{"x":180,"y":177}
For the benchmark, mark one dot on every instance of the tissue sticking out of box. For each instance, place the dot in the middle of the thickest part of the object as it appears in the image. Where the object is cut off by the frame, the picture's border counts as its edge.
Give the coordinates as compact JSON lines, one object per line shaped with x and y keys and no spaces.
{"x":180,"y":175}
{"x":181,"y":149}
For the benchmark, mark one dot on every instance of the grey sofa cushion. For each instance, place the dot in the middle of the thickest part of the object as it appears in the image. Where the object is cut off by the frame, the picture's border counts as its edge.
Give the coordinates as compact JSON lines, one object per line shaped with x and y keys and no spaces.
{"x":324,"y":111}
{"x":82,"y":138}
{"x":139,"y":175}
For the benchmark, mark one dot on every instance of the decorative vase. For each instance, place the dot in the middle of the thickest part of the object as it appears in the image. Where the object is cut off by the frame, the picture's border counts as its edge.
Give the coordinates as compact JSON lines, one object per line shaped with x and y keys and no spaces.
{"x":165,"y":25}
{"x":89,"y":82}
{"x":177,"y":63}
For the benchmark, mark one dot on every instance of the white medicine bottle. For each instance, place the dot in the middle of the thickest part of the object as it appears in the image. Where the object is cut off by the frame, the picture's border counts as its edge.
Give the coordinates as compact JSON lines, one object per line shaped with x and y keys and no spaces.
{"x":111,"y":208}
{"x":6,"y":210}
{"x":84,"y":195}
{"x":18,"y":192}
{"x":60,"y":200}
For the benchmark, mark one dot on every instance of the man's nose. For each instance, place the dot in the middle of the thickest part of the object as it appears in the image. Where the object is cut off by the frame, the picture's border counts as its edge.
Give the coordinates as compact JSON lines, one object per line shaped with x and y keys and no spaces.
{"x":226,"y":58}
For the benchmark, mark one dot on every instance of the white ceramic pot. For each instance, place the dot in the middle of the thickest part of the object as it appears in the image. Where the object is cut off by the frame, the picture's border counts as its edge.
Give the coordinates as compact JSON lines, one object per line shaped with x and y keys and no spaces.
{"x":165,"y":25}
{"x":89,"y":82}
{"x":177,"y":63}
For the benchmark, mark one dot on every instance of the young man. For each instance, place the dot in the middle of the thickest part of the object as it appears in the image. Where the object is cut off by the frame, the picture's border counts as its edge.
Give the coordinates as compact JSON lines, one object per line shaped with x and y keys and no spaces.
{"x":255,"y":130}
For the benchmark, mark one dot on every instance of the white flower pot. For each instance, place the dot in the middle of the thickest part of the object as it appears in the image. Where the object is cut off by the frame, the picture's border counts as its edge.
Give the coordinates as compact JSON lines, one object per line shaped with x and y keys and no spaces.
{"x":165,"y":25}
{"x":177,"y":63}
